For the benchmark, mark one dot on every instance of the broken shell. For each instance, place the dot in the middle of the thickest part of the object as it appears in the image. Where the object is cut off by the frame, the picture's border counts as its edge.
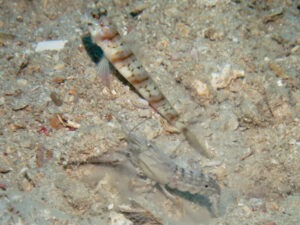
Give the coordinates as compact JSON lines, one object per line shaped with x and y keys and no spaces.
{"x":20,"y":104}
{"x":55,"y":123}
{"x":72,"y":124}
{"x":67,"y":123}
{"x":52,"y":45}
{"x":201,"y":88}
{"x":119,"y":219}
{"x":14,"y":127}
{"x":182,"y":29}
{"x":226,"y":77}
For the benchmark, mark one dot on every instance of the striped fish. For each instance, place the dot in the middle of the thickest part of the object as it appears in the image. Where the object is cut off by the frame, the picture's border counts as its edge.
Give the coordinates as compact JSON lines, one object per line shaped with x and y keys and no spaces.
{"x":106,"y":36}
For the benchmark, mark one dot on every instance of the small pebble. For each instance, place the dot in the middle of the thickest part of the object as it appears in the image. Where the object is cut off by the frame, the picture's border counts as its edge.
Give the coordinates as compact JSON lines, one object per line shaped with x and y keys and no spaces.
{"x":59,"y":66}
{"x":20,"y":18}
{"x":210,"y":3}
{"x":58,"y":80}
{"x":110,"y":206}
{"x":22,"y":82}
{"x":213,"y":35}
{"x":56,"y":99}
{"x":201,"y":89}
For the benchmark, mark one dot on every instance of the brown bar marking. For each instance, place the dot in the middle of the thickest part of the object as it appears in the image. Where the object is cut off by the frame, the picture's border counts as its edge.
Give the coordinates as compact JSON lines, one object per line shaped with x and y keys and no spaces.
{"x":121,"y":57}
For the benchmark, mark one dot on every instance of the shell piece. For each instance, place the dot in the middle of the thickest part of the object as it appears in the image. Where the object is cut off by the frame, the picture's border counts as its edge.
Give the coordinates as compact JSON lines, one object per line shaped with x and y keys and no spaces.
{"x":119,"y":219}
{"x":226,"y":77}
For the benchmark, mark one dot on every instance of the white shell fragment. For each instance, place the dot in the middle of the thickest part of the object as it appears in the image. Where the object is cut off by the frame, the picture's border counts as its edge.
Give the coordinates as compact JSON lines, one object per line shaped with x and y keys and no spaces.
{"x":225,"y":78}
{"x":201,"y":88}
{"x":53,"y":45}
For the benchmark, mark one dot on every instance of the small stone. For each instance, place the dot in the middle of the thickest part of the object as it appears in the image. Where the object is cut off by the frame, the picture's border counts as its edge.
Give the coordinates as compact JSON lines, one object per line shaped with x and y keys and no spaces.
{"x":210,"y":3}
{"x":231,"y":123}
{"x":56,"y":99}
{"x":58,"y":80}
{"x":73,"y":96}
{"x":20,"y":18}
{"x":182,"y":29}
{"x":201,"y":88}
{"x":220,"y":172}
{"x":59,"y":66}
{"x":213,"y":35}
{"x":110,"y":206}
{"x":22,"y":82}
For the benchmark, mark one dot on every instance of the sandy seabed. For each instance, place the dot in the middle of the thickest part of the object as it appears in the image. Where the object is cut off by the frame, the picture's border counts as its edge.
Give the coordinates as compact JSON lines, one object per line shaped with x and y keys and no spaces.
{"x":231,"y":67}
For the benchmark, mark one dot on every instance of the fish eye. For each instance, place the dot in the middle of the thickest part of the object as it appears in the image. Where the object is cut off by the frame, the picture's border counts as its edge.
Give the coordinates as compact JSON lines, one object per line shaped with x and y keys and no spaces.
{"x":206,"y":185}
